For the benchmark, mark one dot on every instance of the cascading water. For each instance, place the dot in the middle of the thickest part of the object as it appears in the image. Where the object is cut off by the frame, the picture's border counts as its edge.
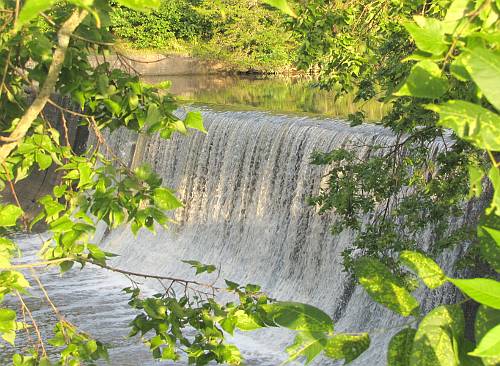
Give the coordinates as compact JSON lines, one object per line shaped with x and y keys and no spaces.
{"x":245,"y":186}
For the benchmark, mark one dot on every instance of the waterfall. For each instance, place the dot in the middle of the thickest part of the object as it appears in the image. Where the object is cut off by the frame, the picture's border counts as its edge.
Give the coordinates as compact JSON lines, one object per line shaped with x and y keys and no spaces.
{"x":245,"y":186}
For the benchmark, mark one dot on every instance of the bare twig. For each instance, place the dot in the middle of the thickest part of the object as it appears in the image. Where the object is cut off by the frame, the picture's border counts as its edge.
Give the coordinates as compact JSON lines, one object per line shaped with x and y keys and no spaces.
{"x":35,"y":325}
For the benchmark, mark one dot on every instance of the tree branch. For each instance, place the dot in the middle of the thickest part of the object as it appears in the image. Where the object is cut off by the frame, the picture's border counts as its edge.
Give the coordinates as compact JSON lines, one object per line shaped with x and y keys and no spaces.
{"x":47,"y":89}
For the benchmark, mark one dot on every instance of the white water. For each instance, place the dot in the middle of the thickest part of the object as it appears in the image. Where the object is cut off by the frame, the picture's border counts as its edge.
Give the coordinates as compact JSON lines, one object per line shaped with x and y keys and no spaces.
{"x":245,"y":186}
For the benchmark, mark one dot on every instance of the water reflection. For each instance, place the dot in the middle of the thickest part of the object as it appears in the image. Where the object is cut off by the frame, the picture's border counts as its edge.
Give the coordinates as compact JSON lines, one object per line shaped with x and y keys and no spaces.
{"x":269,"y":94}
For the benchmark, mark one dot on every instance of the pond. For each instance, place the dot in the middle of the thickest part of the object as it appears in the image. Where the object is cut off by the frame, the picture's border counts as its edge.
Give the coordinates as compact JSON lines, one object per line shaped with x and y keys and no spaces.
{"x":278,"y":95}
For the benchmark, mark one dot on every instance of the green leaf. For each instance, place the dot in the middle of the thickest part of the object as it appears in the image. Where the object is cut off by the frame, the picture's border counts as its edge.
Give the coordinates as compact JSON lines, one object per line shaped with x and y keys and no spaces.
{"x":112,"y":106}
{"x":7,"y":320}
{"x":9,"y":215}
{"x":43,"y":160}
{"x":153,"y":115}
{"x":483,"y":65}
{"x":476,"y":176}
{"x":200,"y":267}
{"x":425,"y":81}
{"x":144,"y":172}
{"x":228,"y":324}
{"x":399,"y":351}
{"x":66,"y":266}
{"x":470,"y":122}
{"x":165,"y":199}
{"x":9,"y":337}
{"x":458,"y":70}
{"x":489,"y":241}
{"x":297,"y":316}
{"x":384,"y":287}
{"x":30,"y":10}
{"x":246,"y":322}
{"x":465,"y":347}
{"x":455,"y":13}
{"x":195,"y":120}
{"x":281,"y":5}
{"x":428,"y":270}
{"x":347,"y":347}
{"x":428,"y":34}
{"x":103,"y":84}
{"x":85,"y":174}
{"x":308,"y":345}
{"x":61,"y":225}
{"x":489,"y":346}
{"x":494,"y":175}
{"x":141,"y":5}
{"x":483,"y":290}
{"x":7,"y":249}
{"x":437,"y":337}
{"x":60,"y":190}
{"x":486,"y":319}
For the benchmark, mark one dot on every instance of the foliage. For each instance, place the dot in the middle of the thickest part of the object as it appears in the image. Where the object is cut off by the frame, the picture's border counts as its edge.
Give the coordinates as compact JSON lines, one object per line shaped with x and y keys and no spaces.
{"x":451,"y":69}
{"x":43,"y":57}
{"x":211,"y":30}
{"x":173,"y":20}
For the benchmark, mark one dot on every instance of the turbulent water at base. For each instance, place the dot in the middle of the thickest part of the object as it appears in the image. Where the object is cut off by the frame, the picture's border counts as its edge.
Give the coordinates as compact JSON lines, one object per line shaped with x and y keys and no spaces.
{"x":245,"y":186}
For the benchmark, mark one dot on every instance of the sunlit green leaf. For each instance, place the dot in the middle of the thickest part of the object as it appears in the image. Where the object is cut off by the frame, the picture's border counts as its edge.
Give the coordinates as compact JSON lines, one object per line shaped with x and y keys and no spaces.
{"x":43,"y":160}
{"x":200,"y":267}
{"x":347,"y":347}
{"x":297,"y":316}
{"x":9,"y":337}
{"x":489,"y":345}
{"x":476,"y":176}
{"x":425,"y":81}
{"x":165,"y":199}
{"x":308,"y":345}
{"x":140,"y":5}
{"x":486,"y":319}
{"x":483,"y":65}
{"x":428,"y":34}
{"x":195,"y":120}
{"x":489,"y":239}
{"x":437,"y":336}
{"x":471,"y":122}
{"x":484,"y":290}
{"x":384,"y":287}
{"x":246,"y":322}
{"x":9,"y":215}
{"x":494,"y":175}
{"x":30,"y":10}
{"x":428,"y":270}
{"x":281,"y":5}
{"x":7,"y":320}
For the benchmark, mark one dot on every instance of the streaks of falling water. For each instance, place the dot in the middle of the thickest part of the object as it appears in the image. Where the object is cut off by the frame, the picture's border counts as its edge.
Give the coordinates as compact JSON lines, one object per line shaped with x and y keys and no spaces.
{"x":245,"y":185}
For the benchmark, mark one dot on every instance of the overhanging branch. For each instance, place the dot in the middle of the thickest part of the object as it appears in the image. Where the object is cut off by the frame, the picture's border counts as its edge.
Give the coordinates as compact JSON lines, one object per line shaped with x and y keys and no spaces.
{"x":48,"y":86}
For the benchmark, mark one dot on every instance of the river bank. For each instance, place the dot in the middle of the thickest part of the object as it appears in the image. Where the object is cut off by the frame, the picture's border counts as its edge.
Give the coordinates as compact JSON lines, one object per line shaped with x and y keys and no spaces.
{"x":147,"y":63}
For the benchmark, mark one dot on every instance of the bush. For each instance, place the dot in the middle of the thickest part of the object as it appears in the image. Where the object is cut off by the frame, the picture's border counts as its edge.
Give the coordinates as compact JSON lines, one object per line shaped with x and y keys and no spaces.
{"x":174,"y":20}
{"x":243,"y":33}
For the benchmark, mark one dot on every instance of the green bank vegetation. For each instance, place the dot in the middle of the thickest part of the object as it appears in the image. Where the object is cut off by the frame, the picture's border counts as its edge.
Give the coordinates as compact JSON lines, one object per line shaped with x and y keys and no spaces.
{"x":245,"y":35}
{"x":436,"y":63}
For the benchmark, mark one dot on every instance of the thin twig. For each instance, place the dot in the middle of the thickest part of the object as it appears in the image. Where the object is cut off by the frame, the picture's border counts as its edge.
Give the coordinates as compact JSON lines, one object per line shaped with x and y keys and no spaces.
{"x":39,"y":264}
{"x":157,"y":277}
{"x":35,"y":325}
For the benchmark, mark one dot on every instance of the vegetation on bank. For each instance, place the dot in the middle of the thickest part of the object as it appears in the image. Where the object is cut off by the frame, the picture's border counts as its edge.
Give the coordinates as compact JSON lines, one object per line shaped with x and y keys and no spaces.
{"x":245,"y":35}
{"x":437,"y":63}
